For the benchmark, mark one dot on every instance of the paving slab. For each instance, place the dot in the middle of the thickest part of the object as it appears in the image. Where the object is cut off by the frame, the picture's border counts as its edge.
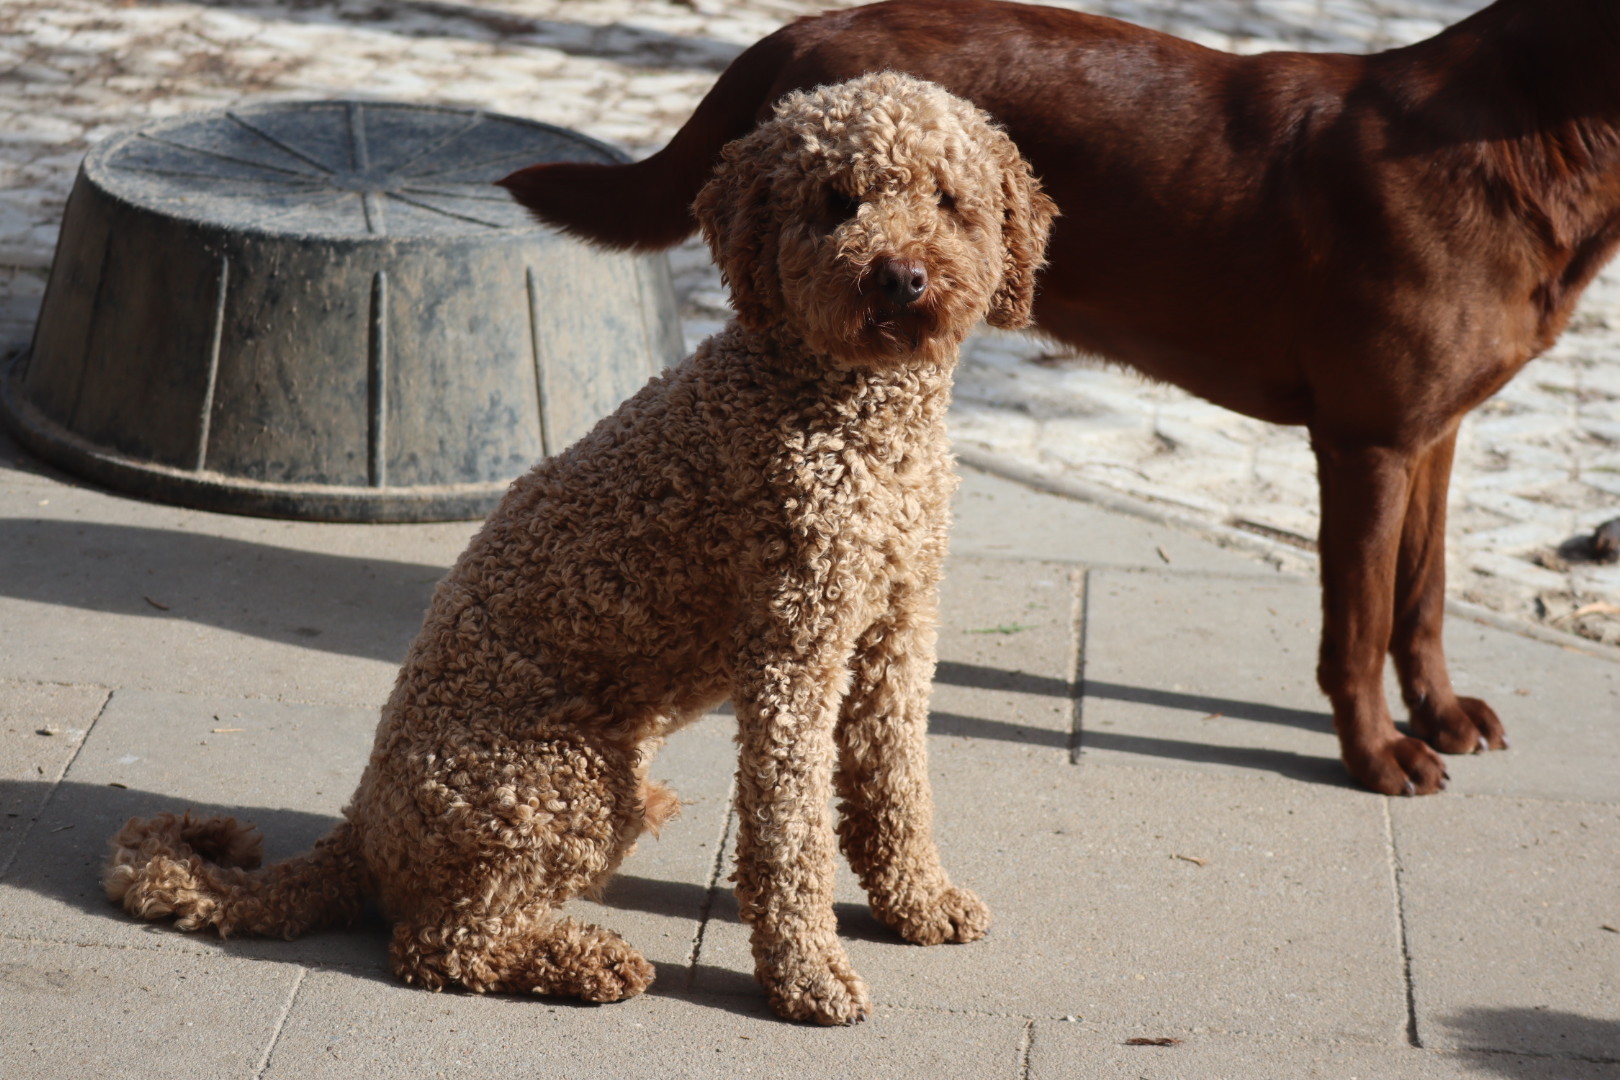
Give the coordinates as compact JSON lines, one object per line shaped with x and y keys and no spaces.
{"x":996,"y":516}
{"x":1559,"y":703}
{"x":1145,"y":896}
{"x":286,"y":768}
{"x":42,"y":726}
{"x":1061,"y":1050}
{"x":116,"y":1013}
{"x":343,"y":1026}
{"x":1205,"y":672}
{"x":1512,"y":910}
{"x":105,"y":590}
{"x":1008,"y":651}
{"x":1215,"y":673}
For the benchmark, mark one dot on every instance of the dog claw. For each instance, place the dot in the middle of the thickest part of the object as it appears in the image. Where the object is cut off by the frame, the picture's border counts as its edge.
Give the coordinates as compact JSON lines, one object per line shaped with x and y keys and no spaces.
{"x":1406,"y":767}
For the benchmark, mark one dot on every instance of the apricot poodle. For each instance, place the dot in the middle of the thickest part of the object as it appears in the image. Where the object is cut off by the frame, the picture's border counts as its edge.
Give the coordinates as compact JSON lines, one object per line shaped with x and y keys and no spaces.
{"x":764,"y":522}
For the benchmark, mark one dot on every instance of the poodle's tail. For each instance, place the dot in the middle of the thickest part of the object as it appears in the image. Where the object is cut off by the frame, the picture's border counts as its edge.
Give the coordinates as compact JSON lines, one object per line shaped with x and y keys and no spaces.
{"x":205,"y":871}
{"x":647,"y":205}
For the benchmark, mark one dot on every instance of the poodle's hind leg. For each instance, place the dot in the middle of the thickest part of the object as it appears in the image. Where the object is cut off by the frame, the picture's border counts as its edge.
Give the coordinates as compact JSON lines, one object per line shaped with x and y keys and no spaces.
{"x":519,"y":952}
{"x":886,"y":801}
{"x":536,"y":822}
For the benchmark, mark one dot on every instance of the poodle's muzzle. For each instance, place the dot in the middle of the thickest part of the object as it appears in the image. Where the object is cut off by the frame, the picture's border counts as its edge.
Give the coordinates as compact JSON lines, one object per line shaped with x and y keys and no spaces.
{"x":900,"y":309}
{"x":902,"y":281}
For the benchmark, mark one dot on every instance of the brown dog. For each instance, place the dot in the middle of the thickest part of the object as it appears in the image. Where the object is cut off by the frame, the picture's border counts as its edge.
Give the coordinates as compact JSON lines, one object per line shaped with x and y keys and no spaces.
{"x":1367,"y":245}
{"x":764,"y":522}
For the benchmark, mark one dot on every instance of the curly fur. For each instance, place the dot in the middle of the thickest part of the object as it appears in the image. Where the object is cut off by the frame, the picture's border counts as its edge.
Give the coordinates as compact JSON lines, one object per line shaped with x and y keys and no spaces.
{"x":764,"y":522}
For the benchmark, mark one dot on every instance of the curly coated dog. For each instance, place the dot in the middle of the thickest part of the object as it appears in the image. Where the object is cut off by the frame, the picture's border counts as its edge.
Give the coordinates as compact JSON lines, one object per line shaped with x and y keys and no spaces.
{"x":764,"y":522}
{"x":1369,"y":246}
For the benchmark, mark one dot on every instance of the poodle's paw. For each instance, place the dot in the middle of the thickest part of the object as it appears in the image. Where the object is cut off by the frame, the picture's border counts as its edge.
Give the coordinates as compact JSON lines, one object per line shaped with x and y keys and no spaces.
{"x":620,"y":974}
{"x":949,"y":915}
{"x":567,"y":958}
{"x":820,"y":988}
{"x":591,"y":963}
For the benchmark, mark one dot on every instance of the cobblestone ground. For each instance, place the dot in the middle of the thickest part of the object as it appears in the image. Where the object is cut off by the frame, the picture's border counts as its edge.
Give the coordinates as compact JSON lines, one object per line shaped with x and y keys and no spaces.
{"x":1538,"y":466}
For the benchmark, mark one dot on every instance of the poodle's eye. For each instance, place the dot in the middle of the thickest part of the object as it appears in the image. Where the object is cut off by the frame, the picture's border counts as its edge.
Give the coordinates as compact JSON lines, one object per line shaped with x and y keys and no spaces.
{"x":841,"y":207}
{"x":947,"y":202}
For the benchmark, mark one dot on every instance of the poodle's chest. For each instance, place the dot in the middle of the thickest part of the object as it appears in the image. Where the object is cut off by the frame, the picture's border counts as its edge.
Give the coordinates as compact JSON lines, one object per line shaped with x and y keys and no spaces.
{"x":867,"y":516}
{"x":892,"y":484}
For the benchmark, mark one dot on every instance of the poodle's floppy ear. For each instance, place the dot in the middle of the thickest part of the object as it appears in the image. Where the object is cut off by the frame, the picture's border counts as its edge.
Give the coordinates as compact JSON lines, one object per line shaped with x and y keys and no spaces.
{"x":1026,"y":220}
{"x":734,"y":211}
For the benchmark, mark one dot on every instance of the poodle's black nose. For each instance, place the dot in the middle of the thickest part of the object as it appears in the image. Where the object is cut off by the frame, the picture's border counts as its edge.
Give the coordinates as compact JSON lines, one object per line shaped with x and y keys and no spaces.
{"x":902,"y":281}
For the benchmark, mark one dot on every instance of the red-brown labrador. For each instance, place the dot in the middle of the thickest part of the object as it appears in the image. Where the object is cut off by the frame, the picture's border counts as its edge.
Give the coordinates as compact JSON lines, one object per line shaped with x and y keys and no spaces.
{"x":1369,"y":246}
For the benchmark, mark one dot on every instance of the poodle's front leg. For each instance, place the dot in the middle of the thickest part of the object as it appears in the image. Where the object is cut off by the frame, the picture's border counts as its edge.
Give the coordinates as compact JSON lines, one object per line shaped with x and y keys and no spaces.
{"x":887,"y":806}
{"x":787,"y":704}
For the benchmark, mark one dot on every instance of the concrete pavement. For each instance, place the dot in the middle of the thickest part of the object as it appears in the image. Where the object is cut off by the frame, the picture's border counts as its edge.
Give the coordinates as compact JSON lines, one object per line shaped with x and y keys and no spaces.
{"x":1131,"y":764}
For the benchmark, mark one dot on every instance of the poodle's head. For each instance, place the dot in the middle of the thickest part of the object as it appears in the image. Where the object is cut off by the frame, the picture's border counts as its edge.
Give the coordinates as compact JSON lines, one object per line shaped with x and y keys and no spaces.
{"x":876,"y":219}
